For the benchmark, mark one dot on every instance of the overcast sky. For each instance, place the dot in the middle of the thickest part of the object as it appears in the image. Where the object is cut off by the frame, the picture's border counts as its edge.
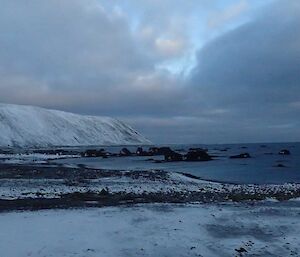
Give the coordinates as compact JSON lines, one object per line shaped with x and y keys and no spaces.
{"x":180,"y":71}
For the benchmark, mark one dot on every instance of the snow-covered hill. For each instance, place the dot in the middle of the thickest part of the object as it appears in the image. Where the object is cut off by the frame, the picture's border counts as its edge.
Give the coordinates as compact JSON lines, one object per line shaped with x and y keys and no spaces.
{"x":28,"y":126}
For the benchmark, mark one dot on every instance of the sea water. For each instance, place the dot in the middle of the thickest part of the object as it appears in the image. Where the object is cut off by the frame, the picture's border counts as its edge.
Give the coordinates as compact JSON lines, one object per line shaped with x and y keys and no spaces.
{"x":261,"y":168}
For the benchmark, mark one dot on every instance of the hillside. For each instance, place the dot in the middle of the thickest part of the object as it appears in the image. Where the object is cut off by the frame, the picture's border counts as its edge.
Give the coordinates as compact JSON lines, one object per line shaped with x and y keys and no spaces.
{"x":28,"y":126}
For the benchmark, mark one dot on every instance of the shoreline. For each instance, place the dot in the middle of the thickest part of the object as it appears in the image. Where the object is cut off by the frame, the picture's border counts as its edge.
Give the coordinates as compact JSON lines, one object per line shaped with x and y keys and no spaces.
{"x":34,"y":187}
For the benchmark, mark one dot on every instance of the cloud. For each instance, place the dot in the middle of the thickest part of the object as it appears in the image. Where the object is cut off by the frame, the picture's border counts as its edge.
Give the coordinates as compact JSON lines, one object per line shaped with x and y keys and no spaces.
{"x":253,"y":72}
{"x":107,"y":58}
{"x":71,"y":55}
{"x":228,"y":14}
{"x":169,"y":47}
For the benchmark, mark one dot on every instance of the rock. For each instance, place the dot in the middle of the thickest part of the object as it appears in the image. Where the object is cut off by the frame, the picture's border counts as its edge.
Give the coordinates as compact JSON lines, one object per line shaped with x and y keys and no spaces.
{"x":197,"y":154}
{"x":240,"y":156}
{"x":125,"y":152}
{"x":284,"y":152}
{"x":141,"y":152}
{"x":224,"y":150}
{"x":241,"y":250}
{"x":94,"y":153}
{"x":173,"y":156}
{"x":153,"y":150}
{"x":104,"y":192}
{"x":159,"y":150}
{"x":279,"y":165}
{"x":198,"y":149}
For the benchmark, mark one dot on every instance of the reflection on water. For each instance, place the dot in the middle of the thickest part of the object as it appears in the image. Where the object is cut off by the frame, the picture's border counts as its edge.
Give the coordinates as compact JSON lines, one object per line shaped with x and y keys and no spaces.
{"x":260,"y":169}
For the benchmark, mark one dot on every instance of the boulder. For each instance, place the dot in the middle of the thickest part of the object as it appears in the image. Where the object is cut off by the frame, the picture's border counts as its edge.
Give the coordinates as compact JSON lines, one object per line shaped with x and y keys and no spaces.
{"x":125,"y":152}
{"x":240,"y":156}
{"x":141,"y":152}
{"x":284,"y":152}
{"x":173,"y":156}
{"x":197,"y":155}
{"x":280,"y":165}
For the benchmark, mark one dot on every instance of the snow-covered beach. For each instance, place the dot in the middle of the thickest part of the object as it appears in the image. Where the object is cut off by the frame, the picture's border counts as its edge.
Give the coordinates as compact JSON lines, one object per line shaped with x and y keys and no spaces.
{"x":50,"y":208}
{"x":270,"y":229}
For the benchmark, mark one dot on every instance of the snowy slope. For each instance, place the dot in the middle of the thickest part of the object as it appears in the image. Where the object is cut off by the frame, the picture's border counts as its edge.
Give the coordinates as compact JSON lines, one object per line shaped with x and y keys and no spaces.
{"x":28,"y":126}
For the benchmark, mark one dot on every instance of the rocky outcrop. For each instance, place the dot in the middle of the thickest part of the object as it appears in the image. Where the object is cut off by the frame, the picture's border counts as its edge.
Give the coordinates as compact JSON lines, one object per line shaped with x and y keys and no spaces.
{"x":197,"y":155}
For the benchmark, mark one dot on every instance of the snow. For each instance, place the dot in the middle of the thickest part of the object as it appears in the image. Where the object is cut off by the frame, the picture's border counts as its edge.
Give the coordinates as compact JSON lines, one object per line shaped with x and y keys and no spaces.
{"x":19,"y":188}
{"x":28,"y":126}
{"x":32,"y":158}
{"x":53,"y":188}
{"x":153,"y":230}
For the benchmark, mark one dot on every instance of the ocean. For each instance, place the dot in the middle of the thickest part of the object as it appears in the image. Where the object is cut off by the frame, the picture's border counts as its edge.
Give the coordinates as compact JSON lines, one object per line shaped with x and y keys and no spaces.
{"x":261,"y":168}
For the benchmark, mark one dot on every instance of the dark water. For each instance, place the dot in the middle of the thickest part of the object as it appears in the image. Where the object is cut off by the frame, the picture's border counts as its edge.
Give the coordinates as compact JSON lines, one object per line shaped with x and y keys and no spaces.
{"x":260,"y":169}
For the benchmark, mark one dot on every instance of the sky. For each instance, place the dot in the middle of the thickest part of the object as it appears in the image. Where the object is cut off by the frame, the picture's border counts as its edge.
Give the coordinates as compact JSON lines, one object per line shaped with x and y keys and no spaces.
{"x":179,"y":71}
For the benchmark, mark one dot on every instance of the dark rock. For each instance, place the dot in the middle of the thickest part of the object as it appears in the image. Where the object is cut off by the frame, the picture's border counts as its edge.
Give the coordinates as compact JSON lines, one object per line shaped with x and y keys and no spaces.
{"x":94,"y":153}
{"x":240,"y":156}
{"x":104,"y":192}
{"x":198,"y":149}
{"x":241,"y":250}
{"x":173,"y":156}
{"x":125,"y":152}
{"x":197,"y":154}
{"x":153,"y":150}
{"x":160,"y":150}
{"x":141,"y":152}
{"x":279,"y":165}
{"x":284,"y":152}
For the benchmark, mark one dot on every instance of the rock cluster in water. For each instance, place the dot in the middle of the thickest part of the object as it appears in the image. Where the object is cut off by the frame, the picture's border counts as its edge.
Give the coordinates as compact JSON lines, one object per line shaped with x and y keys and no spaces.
{"x":193,"y":154}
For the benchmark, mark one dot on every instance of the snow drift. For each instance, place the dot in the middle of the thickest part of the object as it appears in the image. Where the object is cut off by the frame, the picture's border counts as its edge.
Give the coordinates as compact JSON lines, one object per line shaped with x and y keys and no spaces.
{"x":28,"y":126}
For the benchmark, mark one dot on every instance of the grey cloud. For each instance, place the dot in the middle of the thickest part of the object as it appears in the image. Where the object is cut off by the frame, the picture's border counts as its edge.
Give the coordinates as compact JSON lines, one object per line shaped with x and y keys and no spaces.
{"x":78,"y":56}
{"x":67,"y":41}
{"x":257,"y":58}
{"x":253,"y":71}
{"x":74,"y":55}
